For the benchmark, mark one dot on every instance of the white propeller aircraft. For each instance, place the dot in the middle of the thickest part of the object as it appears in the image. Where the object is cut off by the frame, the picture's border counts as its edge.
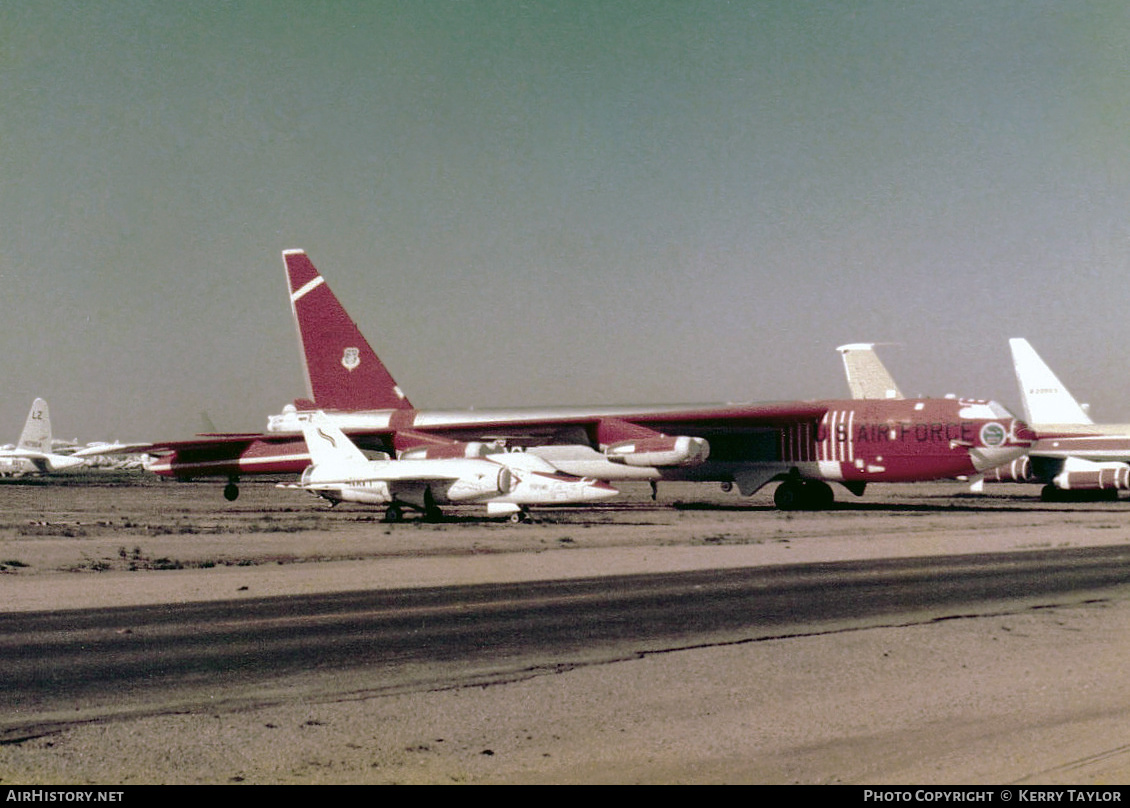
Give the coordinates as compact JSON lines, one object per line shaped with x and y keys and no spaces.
{"x":32,"y":454}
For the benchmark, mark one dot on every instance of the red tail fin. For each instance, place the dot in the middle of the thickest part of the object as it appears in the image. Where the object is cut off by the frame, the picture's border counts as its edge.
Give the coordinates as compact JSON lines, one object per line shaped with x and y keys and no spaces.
{"x":342,"y":370}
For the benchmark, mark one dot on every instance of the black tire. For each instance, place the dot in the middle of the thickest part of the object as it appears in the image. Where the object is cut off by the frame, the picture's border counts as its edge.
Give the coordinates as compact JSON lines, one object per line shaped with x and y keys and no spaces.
{"x":819,"y":495}
{"x":789,"y":496}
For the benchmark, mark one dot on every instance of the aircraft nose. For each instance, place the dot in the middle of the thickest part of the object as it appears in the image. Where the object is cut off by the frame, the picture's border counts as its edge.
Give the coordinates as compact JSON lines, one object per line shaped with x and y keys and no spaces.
{"x":598,"y":490}
{"x":1000,"y":443}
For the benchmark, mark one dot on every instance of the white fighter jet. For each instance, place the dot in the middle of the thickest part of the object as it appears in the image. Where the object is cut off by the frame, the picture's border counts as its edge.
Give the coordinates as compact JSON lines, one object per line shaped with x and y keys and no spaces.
{"x":435,"y":474}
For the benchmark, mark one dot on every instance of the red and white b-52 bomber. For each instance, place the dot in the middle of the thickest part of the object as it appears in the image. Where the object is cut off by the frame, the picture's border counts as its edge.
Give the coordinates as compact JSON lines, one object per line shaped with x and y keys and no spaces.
{"x":803,"y":445}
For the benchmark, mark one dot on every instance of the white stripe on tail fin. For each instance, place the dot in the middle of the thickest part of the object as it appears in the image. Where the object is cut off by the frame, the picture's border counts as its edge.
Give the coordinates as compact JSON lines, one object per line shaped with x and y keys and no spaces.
{"x":342,"y":370}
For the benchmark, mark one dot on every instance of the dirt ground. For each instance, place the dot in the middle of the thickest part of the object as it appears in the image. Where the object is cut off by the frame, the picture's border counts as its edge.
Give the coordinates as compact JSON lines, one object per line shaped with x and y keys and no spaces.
{"x":1037,"y":696}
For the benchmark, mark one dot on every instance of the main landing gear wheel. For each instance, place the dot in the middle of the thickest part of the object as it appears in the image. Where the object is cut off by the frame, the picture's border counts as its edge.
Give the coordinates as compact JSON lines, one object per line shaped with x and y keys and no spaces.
{"x":394,"y":513}
{"x":796,"y":495}
{"x":231,"y":491}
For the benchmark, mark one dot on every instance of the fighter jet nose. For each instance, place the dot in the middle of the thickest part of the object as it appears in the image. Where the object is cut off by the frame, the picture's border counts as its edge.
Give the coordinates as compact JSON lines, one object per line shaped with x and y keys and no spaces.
{"x":599,"y":490}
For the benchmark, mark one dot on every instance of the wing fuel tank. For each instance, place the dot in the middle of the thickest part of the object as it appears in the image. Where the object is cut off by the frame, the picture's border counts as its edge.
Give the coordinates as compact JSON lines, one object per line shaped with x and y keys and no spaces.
{"x":660,"y":451}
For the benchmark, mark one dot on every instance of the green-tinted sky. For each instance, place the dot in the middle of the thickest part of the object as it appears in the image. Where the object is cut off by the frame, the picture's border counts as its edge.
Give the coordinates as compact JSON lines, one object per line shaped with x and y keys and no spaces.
{"x":567,"y":202}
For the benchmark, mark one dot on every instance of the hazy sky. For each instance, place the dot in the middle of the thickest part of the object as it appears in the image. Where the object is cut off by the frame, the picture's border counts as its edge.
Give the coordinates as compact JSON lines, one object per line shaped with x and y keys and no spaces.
{"x":564,"y":202}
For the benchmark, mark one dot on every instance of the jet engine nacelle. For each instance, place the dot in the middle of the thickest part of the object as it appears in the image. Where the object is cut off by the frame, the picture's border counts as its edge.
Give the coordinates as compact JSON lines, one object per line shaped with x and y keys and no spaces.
{"x":474,"y":487}
{"x":1087,"y":475}
{"x":662,"y":450}
{"x":1018,"y":471}
{"x":445,"y":451}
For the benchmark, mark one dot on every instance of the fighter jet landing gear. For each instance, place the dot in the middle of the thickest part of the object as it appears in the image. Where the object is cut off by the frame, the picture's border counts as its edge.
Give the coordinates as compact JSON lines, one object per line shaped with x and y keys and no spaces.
{"x":432,"y":513}
{"x":521,"y":517}
{"x":803,"y":495}
{"x":231,"y":490}
{"x":395,"y":513}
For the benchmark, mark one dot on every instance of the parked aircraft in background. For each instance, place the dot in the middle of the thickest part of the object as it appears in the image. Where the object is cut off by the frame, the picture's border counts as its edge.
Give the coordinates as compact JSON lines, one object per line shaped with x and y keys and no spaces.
{"x":33,"y":452}
{"x":867,"y":377}
{"x":504,"y":482}
{"x":1071,"y":452}
{"x":116,"y":455}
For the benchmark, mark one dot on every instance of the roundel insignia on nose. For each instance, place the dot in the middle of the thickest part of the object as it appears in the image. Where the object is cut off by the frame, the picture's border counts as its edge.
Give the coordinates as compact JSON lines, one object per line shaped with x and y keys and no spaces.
{"x":993,"y":434}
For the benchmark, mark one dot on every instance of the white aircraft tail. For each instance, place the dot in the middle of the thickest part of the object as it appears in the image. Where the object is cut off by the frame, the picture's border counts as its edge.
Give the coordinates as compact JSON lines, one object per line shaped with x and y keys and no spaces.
{"x":36,"y":436}
{"x":866,"y":375}
{"x":1045,"y":399}
{"x":328,"y":445}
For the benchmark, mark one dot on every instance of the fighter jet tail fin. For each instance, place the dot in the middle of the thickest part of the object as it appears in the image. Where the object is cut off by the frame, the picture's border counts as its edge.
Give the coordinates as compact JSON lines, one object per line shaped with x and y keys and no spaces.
{"x":328,"y":445}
